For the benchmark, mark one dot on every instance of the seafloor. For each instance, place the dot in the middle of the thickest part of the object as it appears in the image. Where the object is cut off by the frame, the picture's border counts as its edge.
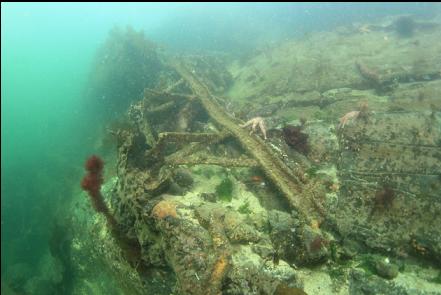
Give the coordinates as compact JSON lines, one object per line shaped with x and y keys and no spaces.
{"x":343,"y":197}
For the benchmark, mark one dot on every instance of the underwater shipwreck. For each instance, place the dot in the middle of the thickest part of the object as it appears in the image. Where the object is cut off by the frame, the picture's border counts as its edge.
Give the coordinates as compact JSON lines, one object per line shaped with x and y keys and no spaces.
{"x":311,"y":167}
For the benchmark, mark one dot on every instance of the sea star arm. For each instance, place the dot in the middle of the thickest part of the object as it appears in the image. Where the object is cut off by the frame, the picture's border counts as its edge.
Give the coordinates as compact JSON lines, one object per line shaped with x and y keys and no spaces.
{"x":343,"y":121}
{"x":248,"y":123}
{"x":255,"y":123}
{"x":262,"y":128}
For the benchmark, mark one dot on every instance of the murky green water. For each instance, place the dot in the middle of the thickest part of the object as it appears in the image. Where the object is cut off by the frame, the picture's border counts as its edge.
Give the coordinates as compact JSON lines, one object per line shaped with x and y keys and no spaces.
{"x":70,"y":71}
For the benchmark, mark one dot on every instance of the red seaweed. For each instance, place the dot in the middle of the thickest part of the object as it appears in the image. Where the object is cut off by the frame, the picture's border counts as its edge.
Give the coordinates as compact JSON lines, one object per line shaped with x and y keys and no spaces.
{"x":296,"y":139}
{"x":92,"y":183}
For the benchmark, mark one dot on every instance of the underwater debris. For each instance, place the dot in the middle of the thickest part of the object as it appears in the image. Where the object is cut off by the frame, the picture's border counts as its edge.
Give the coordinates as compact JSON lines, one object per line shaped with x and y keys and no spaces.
{"x":285,"y":179}
{"x":369,"y":74}
{"x":198,"y":273}
{"x":170,"y":149}
{"x":296,"y":139}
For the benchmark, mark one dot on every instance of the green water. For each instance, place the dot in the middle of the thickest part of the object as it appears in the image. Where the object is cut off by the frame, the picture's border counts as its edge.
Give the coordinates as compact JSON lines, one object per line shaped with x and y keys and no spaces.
{"x":45,"y":134}
{"x":48,"y":127}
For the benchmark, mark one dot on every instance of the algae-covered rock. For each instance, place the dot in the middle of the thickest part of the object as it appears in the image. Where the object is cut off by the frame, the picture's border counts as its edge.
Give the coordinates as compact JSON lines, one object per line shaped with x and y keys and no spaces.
{"x":211,"y":70}
{"x":124,"y":65}
{"x":328,"y":60}
{"x":281,"y":222}
{"x":360,"y":283}
{"x":386,"y":269}
{"x":250,"y":274}
{"x":395,"y":153}
{"x":183,"y":177}
{"x":224,"y":190}
{"x":238,"y":231}
{"x":296,"y":242}
{"x":209,"y":197}
{"x":316,"y":246}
